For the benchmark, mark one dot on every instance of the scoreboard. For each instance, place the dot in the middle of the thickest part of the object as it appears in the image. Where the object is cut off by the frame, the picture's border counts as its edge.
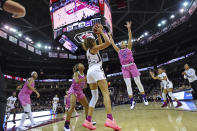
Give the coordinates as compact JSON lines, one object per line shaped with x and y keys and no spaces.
{"x":72,"y":20}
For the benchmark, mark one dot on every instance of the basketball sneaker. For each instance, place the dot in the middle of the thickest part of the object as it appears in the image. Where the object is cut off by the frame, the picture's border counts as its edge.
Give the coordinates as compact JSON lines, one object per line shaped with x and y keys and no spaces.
{"x":65,"y":129}
{"x":21,"y":128}
{"x":145,"y":101}
{"x":111,"y":124}
{"x":89,"y":125}
{"x":164,"y":105}
{"x":133,"y":105}
{"x":179,"y":104}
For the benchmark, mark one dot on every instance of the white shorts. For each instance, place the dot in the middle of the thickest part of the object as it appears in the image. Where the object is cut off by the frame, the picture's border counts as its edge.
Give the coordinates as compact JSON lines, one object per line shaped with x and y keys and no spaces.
{"x":169,"y":85}
{"x":9,"y":108}
{"x":95,"y":74}
{"x":27,"y":108}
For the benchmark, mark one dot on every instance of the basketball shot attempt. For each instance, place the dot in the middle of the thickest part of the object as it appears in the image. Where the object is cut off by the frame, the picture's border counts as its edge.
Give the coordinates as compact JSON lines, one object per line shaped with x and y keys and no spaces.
{"x":129,"y":68}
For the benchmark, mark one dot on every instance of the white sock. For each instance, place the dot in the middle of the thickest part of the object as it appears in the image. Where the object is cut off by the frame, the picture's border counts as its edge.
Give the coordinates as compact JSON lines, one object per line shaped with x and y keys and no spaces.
{"x":164,"y":96}
{"x":23,"y":119}
{"x":171,"y":95}
{"x":31,"y":118}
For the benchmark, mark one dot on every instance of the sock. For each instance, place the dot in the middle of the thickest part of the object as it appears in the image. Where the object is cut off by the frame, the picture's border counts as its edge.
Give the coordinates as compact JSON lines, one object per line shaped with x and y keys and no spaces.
{"x":131,"y":100}
{"x":23,"y":119}
{"x":144,"y":97}
{"x":109,"y":116}
{"x":67,"y":124}
{"x":31,"y":118}
{"x":89,"y":118}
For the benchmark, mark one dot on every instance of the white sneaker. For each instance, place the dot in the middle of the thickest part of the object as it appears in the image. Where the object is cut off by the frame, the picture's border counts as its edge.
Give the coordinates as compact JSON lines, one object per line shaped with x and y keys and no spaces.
{"x":21,"y":128}
{"x":145,"y":102}
{"x":133,"y":105}
{"x":93,"y":123}
{"x":34,"y":125}
{"x":66,"y":129}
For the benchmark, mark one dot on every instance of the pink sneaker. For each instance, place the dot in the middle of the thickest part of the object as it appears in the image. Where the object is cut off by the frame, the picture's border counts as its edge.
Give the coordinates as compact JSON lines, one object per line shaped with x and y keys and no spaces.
{"x":112,"y":124}
{"x":89,"y":125}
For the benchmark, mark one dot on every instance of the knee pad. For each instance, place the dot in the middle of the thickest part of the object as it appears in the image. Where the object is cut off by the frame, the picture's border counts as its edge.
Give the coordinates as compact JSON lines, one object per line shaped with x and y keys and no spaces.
{"x":94,"y":99}
{"x":139,"y":84}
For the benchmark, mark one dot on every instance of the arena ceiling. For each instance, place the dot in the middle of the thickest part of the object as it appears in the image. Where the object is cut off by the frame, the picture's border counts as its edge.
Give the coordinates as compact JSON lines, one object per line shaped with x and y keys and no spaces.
{"x":144,"y":14}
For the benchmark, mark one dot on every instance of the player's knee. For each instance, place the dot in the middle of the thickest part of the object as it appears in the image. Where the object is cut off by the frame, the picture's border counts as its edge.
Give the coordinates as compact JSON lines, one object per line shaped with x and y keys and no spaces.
{"x":94,"y":99}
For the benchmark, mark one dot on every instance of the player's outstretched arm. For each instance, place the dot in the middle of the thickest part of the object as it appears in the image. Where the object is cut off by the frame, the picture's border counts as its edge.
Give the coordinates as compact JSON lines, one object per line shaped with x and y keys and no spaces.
{"x":113,"y":43}
{"x":128,"y":25}
{"x":14,"y":8}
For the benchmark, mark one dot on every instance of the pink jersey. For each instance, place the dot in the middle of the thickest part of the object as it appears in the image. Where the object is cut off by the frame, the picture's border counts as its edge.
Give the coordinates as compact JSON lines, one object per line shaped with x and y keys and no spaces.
{"x":78,"y":85}
{"x":77,"y":88}
{"x":24,"y":94}
{"x":125,"y":56}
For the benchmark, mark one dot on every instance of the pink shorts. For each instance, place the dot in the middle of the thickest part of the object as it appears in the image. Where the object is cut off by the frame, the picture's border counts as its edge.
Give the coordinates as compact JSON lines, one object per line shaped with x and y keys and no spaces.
{"x":78,"y":92}
{"x":24,"y":99}
{"x":130,"y":71}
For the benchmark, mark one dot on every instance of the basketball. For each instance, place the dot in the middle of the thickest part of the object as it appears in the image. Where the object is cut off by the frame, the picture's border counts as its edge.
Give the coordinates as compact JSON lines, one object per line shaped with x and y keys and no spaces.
{"x":95,"y":27}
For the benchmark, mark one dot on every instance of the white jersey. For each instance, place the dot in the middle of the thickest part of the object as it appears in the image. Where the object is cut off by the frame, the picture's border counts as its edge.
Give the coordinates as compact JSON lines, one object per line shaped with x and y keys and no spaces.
{"x":11,"y":101}
{"x":55,"y":100}
{"x":190,"y":75}
{"x":165,"y":83}
{"x":94,"y":60}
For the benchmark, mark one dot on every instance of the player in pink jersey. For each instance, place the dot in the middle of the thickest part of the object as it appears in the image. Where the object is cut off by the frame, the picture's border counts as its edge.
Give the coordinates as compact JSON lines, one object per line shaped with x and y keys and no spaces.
{"x":25,"y":100}
{"x":67,"y":104}
{"x":76,"y":93}
{"x":129,"y":68}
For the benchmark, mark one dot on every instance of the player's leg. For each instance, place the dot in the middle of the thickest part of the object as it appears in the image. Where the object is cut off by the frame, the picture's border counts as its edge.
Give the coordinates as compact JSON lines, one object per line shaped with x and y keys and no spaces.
{"x":110,"y":122}
{"x":14,"y":115}
{"x":127,"y":79}
{"x":73,"y":100}
{"x":164,"y":98}
{"x":88,"y":122}
{"x":84,"y":103}
{"x":173,"y":98}
{"x":24,"y":115}
{"x":141,"y":89}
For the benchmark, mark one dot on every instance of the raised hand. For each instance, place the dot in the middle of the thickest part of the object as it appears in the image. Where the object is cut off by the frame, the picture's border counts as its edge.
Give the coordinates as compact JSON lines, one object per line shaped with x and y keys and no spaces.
{"x":128,"y":24}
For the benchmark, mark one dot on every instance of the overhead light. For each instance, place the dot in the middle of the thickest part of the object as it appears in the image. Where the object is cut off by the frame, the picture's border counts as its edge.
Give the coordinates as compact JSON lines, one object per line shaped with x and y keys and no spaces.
{"x":182,"y":10}
{"x":163,"y":22}
{"x":45,"y":47}
{"x":49,"y":47}
{"x":146,"y":33}
{"x":58,"y":48}
{"x":12,"y":30}
{"x":19,"y":34}
{"x":172,"y":16}
{"x":6,"y":27}
{"x":27,"y":38}
{"x":185,"y":4}
{"x":39,"y":45}
{"x":159,"y":25}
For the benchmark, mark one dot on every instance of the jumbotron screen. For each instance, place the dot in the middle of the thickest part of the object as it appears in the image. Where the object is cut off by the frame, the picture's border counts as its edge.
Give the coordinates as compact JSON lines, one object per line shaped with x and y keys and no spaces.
{"x":69,"y":11}
{"x":73,"y":20}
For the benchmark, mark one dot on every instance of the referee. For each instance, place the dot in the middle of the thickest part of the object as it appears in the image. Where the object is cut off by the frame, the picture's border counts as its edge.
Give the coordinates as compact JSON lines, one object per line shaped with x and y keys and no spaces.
{"x":190,"y":74}
{"x":17,"y":11}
